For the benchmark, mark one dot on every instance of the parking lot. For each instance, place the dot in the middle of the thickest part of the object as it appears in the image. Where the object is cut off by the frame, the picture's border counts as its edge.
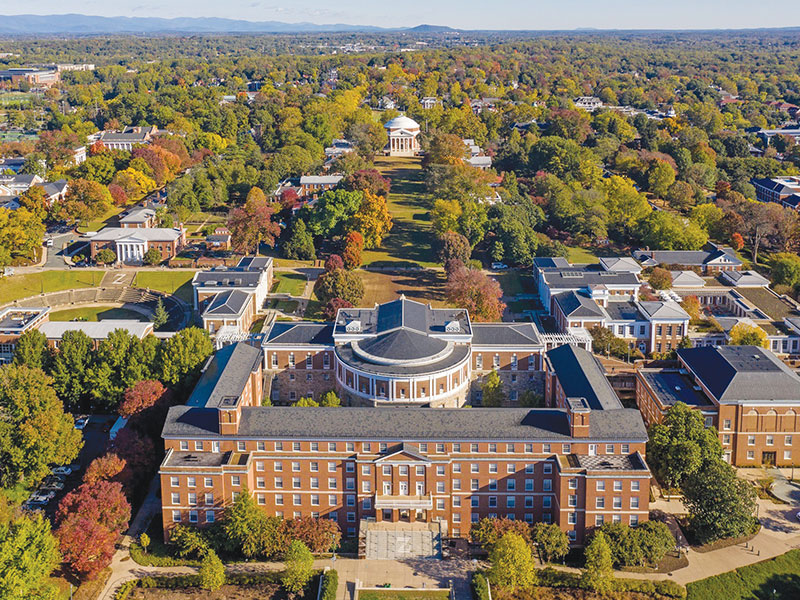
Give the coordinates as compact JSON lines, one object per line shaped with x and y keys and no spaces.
{"x":95,"y":441}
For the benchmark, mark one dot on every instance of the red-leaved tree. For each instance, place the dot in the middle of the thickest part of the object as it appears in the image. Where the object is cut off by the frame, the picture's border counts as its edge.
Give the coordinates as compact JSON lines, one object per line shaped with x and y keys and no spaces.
{"x":102,"y":501}
{"x":353,"y":245}
{"x":143,"y":396}
{"x":252,"y":224}
{"x":320,"y":535}
{"x":333,"y":306}
{"x":333,"y":262}
{"x":137,"y":451}
{"x":86,"y":545}
{"x":474,"y":291}
{"x":108,"y":467}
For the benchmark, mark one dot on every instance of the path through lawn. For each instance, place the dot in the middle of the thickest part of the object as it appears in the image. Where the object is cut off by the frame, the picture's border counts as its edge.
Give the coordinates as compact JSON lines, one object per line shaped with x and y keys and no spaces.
{"x":410,"y":239}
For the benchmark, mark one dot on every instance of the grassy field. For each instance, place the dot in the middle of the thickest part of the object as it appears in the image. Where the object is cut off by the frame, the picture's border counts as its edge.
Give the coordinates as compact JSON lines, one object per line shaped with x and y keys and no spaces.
{"x":15,"y":97}
{"x":101,"y":221}
{"x":178,"y":283}
{"x":32,"y":284}
{"x":409,"y":241}
{"x":515,"y":283}
{"x":95,"y":313}
{"x":392,"y":594}
{"x":293,"y":284}
{"x":777,"y":578}
{"x":422,"y":286}
{"x":581,"y":255}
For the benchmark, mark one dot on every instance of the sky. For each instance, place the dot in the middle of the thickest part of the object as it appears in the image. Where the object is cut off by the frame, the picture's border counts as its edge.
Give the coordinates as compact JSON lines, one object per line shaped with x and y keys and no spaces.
{"x":464,"y":14}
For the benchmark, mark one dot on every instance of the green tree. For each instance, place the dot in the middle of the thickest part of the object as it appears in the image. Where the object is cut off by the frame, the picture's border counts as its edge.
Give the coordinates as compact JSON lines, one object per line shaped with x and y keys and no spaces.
{"x":298,"y":568}
{"x":300,"y":245}
{"x":598,"y":575}
{"x":212,"y":572}
{"x":152,"y":257}
{"x":743,"y":334}
{"x":106,"y":256}
{"x":454,"y":246}
{"x":34,"y":431}
{"x":183,"y":355}
{"x":667,"y":231}
{"x":655,"y":540}
{"x":69,"y":367}
{"x":333,"y":212}
{"x":720,"y":504}
{"x":786,"y":269}
{"x":31,"y":350}
{"x":330,"y":399}
{"x":492,"y":390}
{"x":160,"y":315}
{"x":144,"y":541}
{"x":339,"y":283}
{"x":680,"y":444}
{"x":660,"y":177}
{"x":551,"y":541}
{"x":28,"y":555}
{"x":512,"y":563}
{"x":680,"y":195}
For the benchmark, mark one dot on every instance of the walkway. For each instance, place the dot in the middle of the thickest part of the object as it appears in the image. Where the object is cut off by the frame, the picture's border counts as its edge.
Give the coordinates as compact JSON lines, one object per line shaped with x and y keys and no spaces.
{"x":783,"y":488}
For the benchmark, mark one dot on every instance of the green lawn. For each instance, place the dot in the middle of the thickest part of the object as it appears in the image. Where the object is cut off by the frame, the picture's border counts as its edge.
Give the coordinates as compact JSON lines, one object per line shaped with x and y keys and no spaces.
{"x":32,"y":284}
{"x":15,"y":97}
{"x":293,"y":284}
{"x":409,"y":241}
{"x":403,"y":594}
{"x":100,"y":222}
{"x":178,"y":283}
{"x":777,"y":578}
{"x":96,"y":313}
{"x":515,"y":283}
{"x":581,"y":255}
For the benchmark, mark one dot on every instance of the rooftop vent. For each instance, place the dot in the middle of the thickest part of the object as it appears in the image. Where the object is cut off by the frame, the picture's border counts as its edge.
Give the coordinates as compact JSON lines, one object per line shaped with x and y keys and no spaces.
{"x":452,"y":327}
{"x":353,"y":327}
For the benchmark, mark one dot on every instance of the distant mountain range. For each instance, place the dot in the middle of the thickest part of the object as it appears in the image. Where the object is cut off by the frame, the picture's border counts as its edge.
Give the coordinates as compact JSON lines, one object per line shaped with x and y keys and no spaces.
{"x":84,"y":24}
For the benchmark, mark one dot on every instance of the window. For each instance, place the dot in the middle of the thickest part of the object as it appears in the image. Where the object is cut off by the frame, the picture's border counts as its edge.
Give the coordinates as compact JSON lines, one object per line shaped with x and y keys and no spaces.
{"x":787,"y":455}
{"x":598,"y":520}
{"x":473,"y":447}
{"x":726,"y":438}
{"x":572,"y":500}
{"x":198,"y":446}
{"x":291,"y":360}
{"x":309,"y":364}
{"x":456,"y":485}
{"x":770,"y":440}
{"x":215,"y":446}
{"x":479,"y":361}
{"x":296,"y":483}
{"x":261,"y":446}
{"x":511,"y":485}
{"x":492,"y":501}
{"x":548,"y":468}
{"x":279,"y":446}
{"x":492,"y":485}
{"x":260,"y":499}
{"x":635,"y":502}
{"x":751,"y":440}
{"x":511,"y":501}
{"x":566,"y":448}
{"x":529,"y":468}
{"x":315,"y":483}
{"x":331,"y":446}
{"x":546,"y":448}
{"x":496,"y":361}
{"x":440,"y":504}
{"x":184,"y":445}
{"x":456,"y":468}
{"x":332,"y":500}
{"x":366,"y":487}
{"x":528,"y":448}
{"x":600,"y":485}
{"x":176,"y":498}
{"x":403,"y":469}
{"x":295,"y":446}
{"x":295,"y":467}
{"x":456,"y":501}
{"x":331,"y":467}
{"x":547,"y":501}
{"x":529,"y":485}
{"x":456,"y":447}
{"x":726,"y":425}
{"x":176,"y":516}
{"x":350,"y":483}
{"x":474,"y":502}
{"x":617,"y":486}
{"x":439,"y":470}
{"x":314,"y":499}
{"x":209,"y":516}
{"x":350,"y":447}
{"x":511,"y":468}
{"x":572,"y":519}
{"x":260,"y":483}
{"x":473,"y":484}
{"x":609,"y":448}
{"x":751,"y":455}
{"x":617,"y":502}
{"x":787,"y":441}
{"x":440,"y":448}
{"x":235,"y":480}
{"x":600,"y":502}
{"x":209,"y":499}
{"x":241,"y":446}
{"x":547,"y":485}
{"x":634,"y":520}
{"x":635,"y":486}
{"x":279,"y":483}
{"x":350,"y":467}
{"x":278,"y":466}
{"x":208,"y":482}
{"x":473,"y":467}
{"x":174,"y":482}
{"x":572,"y":484}
{"x":625,"y":448}
{"x":493,"y":468}
{"x":367,"y":503}
{"x":297,"y":500}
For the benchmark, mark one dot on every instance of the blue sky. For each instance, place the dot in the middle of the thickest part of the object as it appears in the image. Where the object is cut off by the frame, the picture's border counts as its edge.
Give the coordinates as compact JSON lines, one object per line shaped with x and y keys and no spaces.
{"x":467,"y":14}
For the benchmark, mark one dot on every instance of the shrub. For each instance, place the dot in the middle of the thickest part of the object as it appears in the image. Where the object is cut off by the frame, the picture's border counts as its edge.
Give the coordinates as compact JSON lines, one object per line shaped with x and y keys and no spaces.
{"x":329,"y":584}
{"x":480,"y":587}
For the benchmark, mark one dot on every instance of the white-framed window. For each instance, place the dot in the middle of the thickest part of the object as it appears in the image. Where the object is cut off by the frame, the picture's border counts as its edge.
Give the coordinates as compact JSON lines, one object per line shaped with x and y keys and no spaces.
{"x":635,"y":485}
{"x":192,"y":516}
{"x":210,"y":516}
{"x":751,"y":455}
{"x":297,"y":500}
{"x":236,"y":480}
{"x":174,"y":481}
{"x":176,"y":498}
{"x":279,"y":499}
{"x":184,"y":445}
{"x":572,"y":518}
{"x":176,"y":516}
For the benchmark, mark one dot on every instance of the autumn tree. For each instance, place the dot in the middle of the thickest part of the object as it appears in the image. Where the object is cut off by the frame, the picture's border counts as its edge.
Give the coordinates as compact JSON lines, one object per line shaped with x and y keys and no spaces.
{"x":339,"y":283}
{"x":332,"y":307}
{"x":372,"y":219}
{"x":320,"y":535}
{"x":691,"y":304}
{"x":743,"y":334}
{"x":34,"y":431}
{"x":660,"y":279}
{"x":212,"y":572}
{"x":86,"y":545}
{"x":143,"y":396}
{"x":351,"y":254}
{"x":85,"y":200}
{"x":492,"y":393}
{"x":367,"y":180}
{"x":102,"y":501}
{"x":444,"y":149}
{"x":252,"y":224}
{"x":475,"y":292}
{"x":488,"y":531}
{"x":108,"y":467}
{"x":512,"y":563}
{"x":454,"y":246}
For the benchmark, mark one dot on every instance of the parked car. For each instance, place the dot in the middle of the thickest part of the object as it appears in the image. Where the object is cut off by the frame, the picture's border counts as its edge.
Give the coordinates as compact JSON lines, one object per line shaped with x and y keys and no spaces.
{"x":797,"y":516}
{"x":55,"y":486}
{"x":498,"y":266}
{"x":42,"y":497}
{"x":63,"y":471}
{"x":49,"y":242}
{"x":81,"y":422}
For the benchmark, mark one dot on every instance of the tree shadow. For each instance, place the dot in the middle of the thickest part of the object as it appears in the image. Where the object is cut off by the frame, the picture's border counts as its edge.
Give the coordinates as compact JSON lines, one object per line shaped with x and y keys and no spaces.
{"x":784,"y":586}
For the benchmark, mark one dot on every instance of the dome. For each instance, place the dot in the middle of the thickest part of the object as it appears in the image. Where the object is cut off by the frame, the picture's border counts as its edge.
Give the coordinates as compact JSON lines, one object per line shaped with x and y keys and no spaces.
{"x":402,"y":346}
{"x":402,"y":122}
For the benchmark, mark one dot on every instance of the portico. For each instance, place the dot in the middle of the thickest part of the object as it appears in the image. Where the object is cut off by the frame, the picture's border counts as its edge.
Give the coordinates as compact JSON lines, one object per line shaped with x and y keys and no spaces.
{"x":403,"y":137}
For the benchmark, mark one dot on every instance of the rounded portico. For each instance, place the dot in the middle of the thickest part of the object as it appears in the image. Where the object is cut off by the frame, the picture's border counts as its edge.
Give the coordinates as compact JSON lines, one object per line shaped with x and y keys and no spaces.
{"x":403,"y":135}
{"x":403,"y":353}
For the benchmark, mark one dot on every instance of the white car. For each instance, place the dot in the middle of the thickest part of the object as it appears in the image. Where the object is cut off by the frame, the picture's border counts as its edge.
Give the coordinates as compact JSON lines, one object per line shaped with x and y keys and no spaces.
{"x":63,"y":471}
{"x":54,"y":486}
{"x":41,"y":498}
{"x":498,"y":266}
{"x":49,"y":243}
{"x":81,"y":422}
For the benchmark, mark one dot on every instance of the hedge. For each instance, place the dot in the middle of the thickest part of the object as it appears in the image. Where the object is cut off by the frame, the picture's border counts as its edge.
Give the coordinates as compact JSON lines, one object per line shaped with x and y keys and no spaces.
{"x":193,"y":581}
{"x":550,"y":577}
{"x":148,"y":559}
{"x":329,"y":584}
{"x":480,"y":586}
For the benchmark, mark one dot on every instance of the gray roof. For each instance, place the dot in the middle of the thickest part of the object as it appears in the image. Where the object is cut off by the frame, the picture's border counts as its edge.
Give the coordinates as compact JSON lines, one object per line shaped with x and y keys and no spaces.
{"x":393,"y":424}
{"x":581,"y":276}
{"x":605,"y":462}
{"x":225,"y":375}
{"x":55,"y":330}
{"x":299,"y":333}
{"x":505,"y":334}
{"x":671,"y":386}
{"x":745,"y":278}
{"x":659,"y":309}
{"x":254,"y":263}
{"x":551,"y":262}
{"x":458,"y":354}
{"x":688,"y":279}
{"x":54,"y":188}
{"x":623,"y":311}
{"x":402,"y":313}
{"x":152,"y":234}
{"x":575,"y":304}
{"x":737,"y":374}
{"x":230,"y":303}
{"x":225,"y":277}
{"x":403,"y":344}
{"x":581,"y":376}
{"x":138,"y":215}
{"x":696,"y":258}
{"x":620,"y":264}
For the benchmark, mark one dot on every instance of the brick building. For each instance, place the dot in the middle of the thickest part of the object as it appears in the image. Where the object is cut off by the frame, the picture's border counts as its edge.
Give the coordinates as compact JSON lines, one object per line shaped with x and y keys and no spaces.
{"x":577,"y":466}
{"x":746,"y":392}
{"x":130,"y":244}
{"x":400,"y":352}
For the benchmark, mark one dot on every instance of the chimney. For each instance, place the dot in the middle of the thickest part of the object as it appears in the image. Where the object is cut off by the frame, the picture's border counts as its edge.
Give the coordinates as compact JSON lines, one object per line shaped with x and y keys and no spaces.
{"x":578,"y":414}
{"x":230,"y":414}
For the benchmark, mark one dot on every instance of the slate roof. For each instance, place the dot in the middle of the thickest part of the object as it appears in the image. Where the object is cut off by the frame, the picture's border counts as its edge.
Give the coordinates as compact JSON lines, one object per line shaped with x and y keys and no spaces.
{"x":623,"y":311}
{"x":551,"y":262}
{"x":226,"y":277}
{"x":403,"y":344}
{"x":505,"y":334}
{"x":671,"y":386}
{"x":630,"y":462}
{"x":693,"y":258}
{"x":299,"y":333}
{"x":736,"y":374}
{"x":581,"y":376}
{"x":320,"y":179}
{"x":402,"y":313}
{"x":348,"y":355}
{"x":54,"y":188}
{"x":138,"y":215}
{"x":745,"y":278}
{"x":225,"y":375}
{"x":577,"y":277}
{"x":153,"y":234}
{"x":575,"y":304}
{"x":624,"y":264}
{"x":254,"y":263}
{"x":402,"y":424}
{"x":230,"y":303}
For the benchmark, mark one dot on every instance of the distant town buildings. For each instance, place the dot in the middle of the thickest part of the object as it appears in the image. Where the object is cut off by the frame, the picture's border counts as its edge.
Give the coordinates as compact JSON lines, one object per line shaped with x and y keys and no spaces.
{"x":588,"y":103}
{"x":32,"y":76}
